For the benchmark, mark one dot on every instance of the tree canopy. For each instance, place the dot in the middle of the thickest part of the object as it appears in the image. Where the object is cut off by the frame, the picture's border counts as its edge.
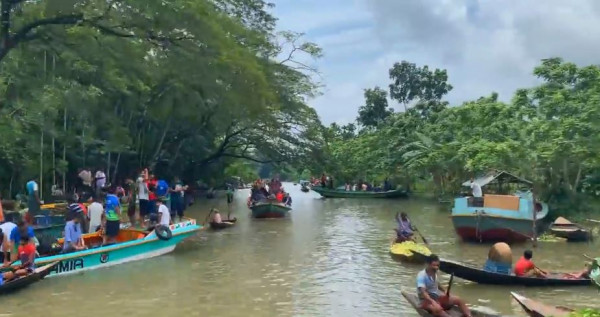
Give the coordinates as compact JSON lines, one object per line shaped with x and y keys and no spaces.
{"x":185,"y":87}
{"x":547,"y":133}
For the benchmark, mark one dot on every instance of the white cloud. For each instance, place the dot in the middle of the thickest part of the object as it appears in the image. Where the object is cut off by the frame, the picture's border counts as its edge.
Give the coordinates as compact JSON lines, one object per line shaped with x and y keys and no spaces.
{"x":485,"y":45}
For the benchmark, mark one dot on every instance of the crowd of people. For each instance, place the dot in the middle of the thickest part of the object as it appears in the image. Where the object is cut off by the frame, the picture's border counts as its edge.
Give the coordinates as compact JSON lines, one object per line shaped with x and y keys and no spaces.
{"x":327,"y":181}
{"x":273,"y":191}
{"x":94,"y":206}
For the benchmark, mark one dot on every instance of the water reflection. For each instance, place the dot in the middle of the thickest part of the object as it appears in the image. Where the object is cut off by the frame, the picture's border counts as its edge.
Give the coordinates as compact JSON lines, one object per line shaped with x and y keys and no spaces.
{"x":329,"y":258}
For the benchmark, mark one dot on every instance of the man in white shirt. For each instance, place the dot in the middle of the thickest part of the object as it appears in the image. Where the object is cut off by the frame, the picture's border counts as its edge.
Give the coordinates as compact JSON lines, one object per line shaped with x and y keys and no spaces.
{"x":143,"y":195}
{"x":100,"y":180}
{"x":95,"y":211}
{"x":5,"y":247}
{"x":477,"y":194}
{"x":476,"y":189}
{"x":164,"y":215}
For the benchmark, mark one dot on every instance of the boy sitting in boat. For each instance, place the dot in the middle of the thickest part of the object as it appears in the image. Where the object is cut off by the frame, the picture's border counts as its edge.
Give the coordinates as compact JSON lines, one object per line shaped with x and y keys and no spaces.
{"x":525,"y":266}
{"x":26,"y":256}
{"x":431,"y":293}
{"x":404,"y":232}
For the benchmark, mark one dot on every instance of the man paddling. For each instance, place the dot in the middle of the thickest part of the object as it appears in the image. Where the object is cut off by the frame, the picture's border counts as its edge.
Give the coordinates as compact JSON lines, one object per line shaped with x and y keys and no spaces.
{"x":525,"y":266}
{"x":404,"y":232}
{"x":431,"y":293}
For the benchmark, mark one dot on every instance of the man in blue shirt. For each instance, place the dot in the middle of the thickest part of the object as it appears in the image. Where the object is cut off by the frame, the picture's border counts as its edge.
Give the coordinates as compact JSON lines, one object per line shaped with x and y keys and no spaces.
{"x":73,"y":241}
{"x":431,"y":293}
{"x":22,"y":228}
{"x":33,"y":198}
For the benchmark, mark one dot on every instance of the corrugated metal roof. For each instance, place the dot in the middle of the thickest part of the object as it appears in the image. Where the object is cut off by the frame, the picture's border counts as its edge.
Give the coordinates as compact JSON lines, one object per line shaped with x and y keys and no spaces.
{"x":497,"y":177}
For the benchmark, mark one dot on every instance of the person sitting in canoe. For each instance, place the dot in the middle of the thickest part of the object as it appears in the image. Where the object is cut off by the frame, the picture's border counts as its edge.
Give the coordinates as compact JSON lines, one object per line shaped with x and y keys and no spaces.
{"x":73,"y":240}
{"x":582,"y":274}
{"x":431,"y":293}
{"x":216,"y":218}
{"x":404,"y":232}
{"x":525,"y":267}
{"x":287,"y":199}
{"x":26,"y":256}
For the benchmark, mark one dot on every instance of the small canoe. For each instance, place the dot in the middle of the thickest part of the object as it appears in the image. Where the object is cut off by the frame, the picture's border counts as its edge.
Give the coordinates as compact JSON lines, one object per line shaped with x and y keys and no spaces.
{"x":269,"y":210}
{"x":336,"y":193}
{"x":305,"y":189}
{"x":228,"y":223}
{"x":21,"y":282}
{"x":563,"y":228}
{"x":409,"y":251}
{"x":454,"y":311}
{"x":480,"y":276}
{"x":537,"y":309}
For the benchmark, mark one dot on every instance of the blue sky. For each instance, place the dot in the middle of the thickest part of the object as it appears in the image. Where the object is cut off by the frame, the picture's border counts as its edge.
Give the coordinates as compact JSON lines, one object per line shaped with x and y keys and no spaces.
{"x":486,"y":46}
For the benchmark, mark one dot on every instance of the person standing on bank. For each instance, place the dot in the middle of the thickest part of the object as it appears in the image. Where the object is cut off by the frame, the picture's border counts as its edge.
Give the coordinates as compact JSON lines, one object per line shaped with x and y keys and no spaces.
{"x":112,"y":217}
{"x":143,"y":195}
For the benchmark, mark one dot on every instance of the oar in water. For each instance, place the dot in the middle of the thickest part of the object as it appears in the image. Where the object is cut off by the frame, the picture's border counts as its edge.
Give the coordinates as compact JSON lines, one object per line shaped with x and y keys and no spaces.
{"x":422,"y":237}
{"x":207,"y":216}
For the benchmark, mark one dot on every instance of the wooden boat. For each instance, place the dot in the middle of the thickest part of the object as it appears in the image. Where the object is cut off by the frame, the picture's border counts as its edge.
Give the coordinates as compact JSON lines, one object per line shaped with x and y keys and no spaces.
{"x":227,"y":223}
{"x":500,"y":218}
{"x":563,"y":228}
{"x":132,"y":245}
{"x":537,"y":309}
{"x":337,"y":193}
{"x":481,"y":276}
{"x":409,"y":251}
{"x":305,"y":189}
{"x":269,"y":209}
{"x":20,"y":282}
{"x":413,"y":300}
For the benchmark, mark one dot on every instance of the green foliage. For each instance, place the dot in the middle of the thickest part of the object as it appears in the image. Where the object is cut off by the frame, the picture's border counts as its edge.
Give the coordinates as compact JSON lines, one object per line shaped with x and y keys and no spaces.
{"x":588,"y":312}
{"x":188,"y":91}
{"x":410,"y":83}
{"x":549,"y":134}
{"x":375,"y":110}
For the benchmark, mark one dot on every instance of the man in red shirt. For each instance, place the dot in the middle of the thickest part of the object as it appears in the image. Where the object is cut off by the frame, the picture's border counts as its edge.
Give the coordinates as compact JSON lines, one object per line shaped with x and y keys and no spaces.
{"x":26,"y":253}
{"x":525,"y":267}
{"x":151,"y":183}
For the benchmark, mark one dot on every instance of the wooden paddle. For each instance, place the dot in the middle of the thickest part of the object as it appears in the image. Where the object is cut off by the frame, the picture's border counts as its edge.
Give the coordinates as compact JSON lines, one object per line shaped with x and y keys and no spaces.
{"x":449,"y":285}
{"x":422,"y":237}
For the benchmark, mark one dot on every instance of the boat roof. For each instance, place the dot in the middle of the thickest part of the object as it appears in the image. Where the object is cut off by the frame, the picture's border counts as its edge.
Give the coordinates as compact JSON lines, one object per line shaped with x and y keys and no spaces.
{"x":498,"y":177}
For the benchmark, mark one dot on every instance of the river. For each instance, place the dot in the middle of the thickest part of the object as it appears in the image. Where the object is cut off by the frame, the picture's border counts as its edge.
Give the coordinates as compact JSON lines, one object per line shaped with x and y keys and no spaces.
{"x":330,"y":258}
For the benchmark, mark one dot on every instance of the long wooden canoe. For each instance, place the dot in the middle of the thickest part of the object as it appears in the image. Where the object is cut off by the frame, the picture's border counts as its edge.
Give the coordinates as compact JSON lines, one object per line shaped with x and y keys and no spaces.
{"x":336,"y":193}
{"x":480,"y":276}
{"x":454,"y":312}
{"x":537,"y":309}
{"x":20,"y":282}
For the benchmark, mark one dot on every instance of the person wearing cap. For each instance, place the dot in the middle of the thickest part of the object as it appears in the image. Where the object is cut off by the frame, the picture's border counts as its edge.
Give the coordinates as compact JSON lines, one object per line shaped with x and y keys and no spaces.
{"x":163,"y":212}
{"x":112,"y":213}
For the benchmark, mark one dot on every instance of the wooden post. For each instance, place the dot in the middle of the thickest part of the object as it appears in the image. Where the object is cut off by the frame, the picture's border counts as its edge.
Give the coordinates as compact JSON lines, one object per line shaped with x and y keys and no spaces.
{"x":534,"y":220}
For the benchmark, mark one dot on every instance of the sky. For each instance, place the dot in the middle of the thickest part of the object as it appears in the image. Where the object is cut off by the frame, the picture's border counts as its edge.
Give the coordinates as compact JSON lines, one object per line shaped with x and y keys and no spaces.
{"x":486,"y":45}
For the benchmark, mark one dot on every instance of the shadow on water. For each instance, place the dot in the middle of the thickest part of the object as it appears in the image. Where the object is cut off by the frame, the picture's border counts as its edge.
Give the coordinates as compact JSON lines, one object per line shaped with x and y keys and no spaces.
{"x":328,"y":258}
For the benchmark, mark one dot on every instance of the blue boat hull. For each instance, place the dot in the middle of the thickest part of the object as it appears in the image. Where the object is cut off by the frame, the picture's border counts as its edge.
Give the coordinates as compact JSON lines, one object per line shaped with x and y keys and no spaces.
{"x":147,"y":247}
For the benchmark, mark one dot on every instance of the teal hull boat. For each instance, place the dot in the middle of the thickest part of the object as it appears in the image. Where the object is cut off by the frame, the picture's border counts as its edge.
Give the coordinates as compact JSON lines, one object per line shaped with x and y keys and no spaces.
{"x":137,"y":246}
{"x":269,"y":210}
{"x":337,"y":193}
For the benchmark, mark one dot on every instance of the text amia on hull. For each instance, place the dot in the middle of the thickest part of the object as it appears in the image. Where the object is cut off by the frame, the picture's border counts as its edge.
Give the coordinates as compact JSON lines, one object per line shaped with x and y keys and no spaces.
{"x":21,"y":282}
{"x":537,"y":309}
{"x":481,"y":276}
{"x":454,"y":311}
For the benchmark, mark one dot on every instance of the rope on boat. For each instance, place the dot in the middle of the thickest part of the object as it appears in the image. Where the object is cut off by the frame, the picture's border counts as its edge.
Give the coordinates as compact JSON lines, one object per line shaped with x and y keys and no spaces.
{"x":482,"y":213}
